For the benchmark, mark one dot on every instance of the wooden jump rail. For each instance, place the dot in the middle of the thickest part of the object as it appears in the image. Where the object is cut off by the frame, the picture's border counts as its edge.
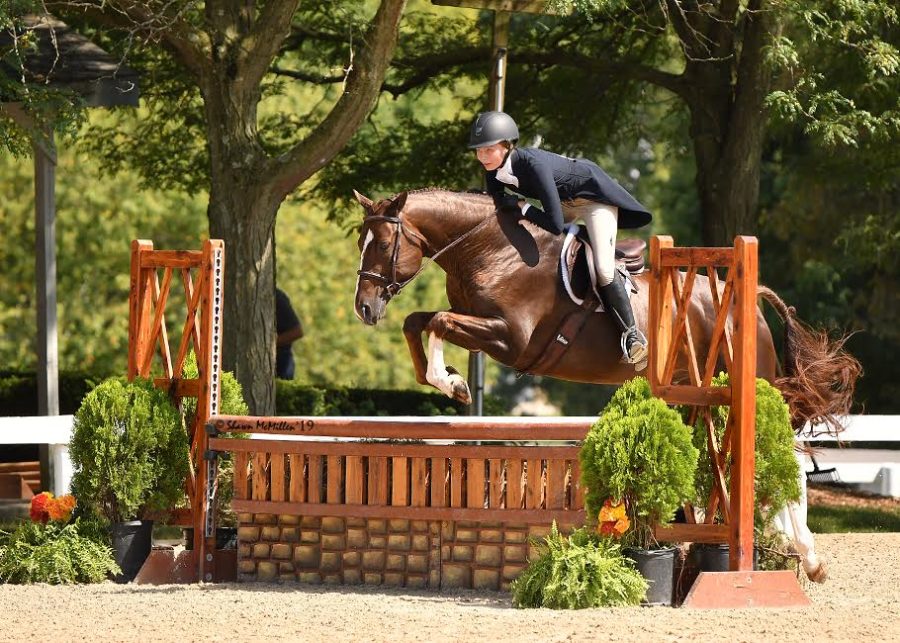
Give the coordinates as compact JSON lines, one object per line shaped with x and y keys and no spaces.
{"x":355,"y":467}
{"x":532,"y":483}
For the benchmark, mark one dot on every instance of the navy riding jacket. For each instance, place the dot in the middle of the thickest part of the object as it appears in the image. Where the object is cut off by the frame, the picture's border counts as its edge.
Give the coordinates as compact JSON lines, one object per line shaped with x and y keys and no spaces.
{"x":551,"y":179}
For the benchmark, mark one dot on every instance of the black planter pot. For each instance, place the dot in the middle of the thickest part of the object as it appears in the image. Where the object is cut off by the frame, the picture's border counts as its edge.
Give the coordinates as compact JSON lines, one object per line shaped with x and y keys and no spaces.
{"x":131,"y":543}
{"x":714,"y":557}
{"x":226,"y":537}
{"x":657,"y":566}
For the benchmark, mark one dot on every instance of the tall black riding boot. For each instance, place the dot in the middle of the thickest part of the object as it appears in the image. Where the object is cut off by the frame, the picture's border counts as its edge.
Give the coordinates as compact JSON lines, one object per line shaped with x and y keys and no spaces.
{"x":634,"y":344}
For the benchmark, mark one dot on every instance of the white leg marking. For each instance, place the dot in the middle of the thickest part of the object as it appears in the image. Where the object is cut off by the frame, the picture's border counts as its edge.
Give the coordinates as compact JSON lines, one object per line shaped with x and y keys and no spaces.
{"x":436,"y":372}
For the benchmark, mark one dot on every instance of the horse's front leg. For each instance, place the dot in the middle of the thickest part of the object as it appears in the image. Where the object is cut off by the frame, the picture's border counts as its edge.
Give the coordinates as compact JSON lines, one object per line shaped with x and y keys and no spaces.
{"x":465,"y":331}
{"x":413,"y":327}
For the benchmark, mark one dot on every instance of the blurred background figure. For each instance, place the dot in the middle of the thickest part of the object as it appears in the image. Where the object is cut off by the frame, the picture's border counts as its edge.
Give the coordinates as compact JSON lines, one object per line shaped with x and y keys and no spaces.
{"x":289,"y":330}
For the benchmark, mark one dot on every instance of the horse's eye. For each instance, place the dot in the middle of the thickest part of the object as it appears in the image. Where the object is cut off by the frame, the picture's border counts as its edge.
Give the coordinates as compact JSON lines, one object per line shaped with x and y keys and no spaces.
{"x":384,"y":245}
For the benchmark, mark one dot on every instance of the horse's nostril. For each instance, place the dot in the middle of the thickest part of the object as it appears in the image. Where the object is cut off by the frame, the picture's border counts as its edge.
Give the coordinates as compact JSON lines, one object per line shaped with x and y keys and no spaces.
{"x":366,"y":312}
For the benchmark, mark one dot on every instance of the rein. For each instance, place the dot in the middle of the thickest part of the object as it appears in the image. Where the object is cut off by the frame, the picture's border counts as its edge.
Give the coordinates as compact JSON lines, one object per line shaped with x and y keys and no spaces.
{"x":392,"y":286}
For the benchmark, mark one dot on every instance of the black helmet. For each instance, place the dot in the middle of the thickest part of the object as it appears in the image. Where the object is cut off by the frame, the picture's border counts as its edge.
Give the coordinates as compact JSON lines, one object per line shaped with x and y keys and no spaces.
{"x":492,"y":127}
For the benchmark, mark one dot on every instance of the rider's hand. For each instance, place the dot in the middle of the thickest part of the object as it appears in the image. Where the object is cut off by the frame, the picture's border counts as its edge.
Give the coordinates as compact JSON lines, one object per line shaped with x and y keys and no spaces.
{"x":510,"y":205}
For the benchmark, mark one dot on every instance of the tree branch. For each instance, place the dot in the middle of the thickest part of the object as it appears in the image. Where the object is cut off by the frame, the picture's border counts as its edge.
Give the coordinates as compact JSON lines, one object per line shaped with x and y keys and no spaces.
{"x":265,"y":39}
{"x":366,"y":74}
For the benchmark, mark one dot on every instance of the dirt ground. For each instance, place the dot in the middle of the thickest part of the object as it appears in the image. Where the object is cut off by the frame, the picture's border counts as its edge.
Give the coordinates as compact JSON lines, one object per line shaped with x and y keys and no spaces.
{"x":860,"y":601}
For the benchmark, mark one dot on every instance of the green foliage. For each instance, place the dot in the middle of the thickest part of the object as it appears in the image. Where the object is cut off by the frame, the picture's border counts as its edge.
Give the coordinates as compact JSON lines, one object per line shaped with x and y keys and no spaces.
{"x":777,"y":475}
{"x":129,"y":451}
{"x":640,"y":452}
{"x":53,"y":553}
{"x":835,"y":519}
{"x":578,"y":571}
{"x":97,"y":217}
{"x":19,"y":391}
{"x":47,"y":108}
{"x":298,"y":399}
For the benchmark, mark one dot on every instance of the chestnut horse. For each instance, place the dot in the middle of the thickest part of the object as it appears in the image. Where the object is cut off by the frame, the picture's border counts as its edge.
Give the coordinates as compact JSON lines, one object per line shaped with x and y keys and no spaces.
{"x":506,"y":300}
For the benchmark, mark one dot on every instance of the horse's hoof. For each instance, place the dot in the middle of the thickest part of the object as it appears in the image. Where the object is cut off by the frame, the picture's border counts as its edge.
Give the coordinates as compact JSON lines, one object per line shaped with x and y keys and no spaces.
{"x":459,"y":389}
{"x":819,"y":574}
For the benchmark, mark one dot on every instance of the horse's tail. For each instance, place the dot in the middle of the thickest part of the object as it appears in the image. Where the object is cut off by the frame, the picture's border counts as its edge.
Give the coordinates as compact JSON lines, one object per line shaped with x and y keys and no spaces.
{"x":819,"y":374}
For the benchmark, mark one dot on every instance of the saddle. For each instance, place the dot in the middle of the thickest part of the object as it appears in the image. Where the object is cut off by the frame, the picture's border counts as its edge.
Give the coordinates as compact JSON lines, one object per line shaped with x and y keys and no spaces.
{"x":576,"y":265}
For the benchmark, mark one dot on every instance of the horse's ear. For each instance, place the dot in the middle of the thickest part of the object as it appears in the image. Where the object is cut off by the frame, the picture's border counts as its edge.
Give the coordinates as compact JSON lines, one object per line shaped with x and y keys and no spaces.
{"x":364,"y":201}
{"x":399,"y":201}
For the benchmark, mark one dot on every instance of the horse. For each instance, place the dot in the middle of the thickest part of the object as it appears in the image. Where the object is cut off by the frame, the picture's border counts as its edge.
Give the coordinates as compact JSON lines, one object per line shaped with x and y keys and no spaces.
{"x":506,"y":300}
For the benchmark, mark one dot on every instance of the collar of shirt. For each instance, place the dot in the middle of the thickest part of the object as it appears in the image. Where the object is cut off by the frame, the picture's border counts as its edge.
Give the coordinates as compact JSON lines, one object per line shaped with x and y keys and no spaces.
{"x":504,"y":172}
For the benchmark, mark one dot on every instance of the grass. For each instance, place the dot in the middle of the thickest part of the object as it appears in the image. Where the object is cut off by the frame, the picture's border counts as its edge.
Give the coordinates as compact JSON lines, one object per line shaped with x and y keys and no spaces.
{"x":835,"y":519}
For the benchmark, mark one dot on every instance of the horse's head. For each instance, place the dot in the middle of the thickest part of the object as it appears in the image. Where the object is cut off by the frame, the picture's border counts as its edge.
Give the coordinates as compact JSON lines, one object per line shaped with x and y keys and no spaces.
{"x":390,"y":255}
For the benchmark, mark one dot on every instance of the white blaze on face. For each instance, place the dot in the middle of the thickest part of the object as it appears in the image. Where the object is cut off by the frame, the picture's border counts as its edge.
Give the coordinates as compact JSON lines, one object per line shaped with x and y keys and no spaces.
{"x":369,"y":238}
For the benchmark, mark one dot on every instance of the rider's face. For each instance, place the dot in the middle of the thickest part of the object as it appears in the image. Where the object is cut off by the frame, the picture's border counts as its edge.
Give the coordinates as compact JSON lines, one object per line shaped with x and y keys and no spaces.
{"x":491,"y":156}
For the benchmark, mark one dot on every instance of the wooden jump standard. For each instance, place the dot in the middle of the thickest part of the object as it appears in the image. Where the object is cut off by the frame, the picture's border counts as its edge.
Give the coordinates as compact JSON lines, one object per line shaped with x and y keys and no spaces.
{"x":202,"y":276}
{"x":674,"y":271}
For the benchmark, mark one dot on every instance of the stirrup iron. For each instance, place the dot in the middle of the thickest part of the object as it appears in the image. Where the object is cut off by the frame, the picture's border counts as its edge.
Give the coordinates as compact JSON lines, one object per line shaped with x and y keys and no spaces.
{"x":638,"y":352}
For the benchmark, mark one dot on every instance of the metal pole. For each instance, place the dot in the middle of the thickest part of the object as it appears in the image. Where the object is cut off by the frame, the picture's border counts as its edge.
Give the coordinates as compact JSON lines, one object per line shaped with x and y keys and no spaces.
{"x":496,"y":97}
{"x":45,"y":276}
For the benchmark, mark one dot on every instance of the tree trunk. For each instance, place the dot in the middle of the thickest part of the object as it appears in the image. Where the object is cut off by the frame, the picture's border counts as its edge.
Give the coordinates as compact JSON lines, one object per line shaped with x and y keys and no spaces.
{"x":242,"y":213}
{"x":246,"y":222}
{"x":728,"y":124}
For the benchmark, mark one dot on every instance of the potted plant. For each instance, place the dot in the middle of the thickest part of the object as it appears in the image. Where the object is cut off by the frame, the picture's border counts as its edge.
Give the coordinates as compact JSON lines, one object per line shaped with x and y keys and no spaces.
{"x":638,"y":466}
{"x":776,"y":480}
{"x":129,"y":454}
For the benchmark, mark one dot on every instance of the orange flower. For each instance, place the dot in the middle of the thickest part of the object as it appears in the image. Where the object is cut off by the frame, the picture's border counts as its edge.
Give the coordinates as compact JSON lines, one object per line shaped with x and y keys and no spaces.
{"x":612,"y":511}
{"x":622,"y":525}
{"x":38,"y":511}
{"x":612,"y":519}
{"x":61,"y":508}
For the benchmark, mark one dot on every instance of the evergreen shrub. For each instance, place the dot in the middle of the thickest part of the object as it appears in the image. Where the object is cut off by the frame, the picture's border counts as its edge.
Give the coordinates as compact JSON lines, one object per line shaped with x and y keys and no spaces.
{"x":777,"y":472}
{"x":638,"y":452}
{"x":129,"y":451}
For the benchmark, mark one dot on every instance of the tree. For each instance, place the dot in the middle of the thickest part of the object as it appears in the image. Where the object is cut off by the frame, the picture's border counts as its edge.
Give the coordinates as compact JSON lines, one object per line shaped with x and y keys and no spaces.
{"x":224,"y":51}
{"x":731,"y":65}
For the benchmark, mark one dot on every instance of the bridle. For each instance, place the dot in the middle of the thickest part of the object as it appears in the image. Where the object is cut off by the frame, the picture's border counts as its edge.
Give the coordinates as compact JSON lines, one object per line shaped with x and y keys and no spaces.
{"x":391,"y":285}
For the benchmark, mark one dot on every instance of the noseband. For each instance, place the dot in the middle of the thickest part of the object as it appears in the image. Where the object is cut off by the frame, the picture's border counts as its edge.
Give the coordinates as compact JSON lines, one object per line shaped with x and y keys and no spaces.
{"x":391,"y":285}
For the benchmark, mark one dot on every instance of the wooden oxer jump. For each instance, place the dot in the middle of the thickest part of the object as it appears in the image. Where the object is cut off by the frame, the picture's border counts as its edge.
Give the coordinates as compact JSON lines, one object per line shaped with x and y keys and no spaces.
{"x":318,"y":470}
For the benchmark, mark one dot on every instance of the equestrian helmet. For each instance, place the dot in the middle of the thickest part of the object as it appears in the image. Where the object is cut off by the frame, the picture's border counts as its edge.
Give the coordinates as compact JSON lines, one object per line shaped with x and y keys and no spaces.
{"x":492,"y":127}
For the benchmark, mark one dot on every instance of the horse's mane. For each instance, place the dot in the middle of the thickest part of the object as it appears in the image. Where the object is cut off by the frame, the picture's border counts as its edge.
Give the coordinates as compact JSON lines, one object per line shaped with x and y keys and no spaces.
{"x":440,"y":191}
{"x":450,"y":200}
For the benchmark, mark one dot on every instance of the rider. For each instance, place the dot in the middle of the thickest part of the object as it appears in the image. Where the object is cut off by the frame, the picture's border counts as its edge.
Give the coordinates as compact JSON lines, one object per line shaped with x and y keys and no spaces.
{"x":567,"y":189}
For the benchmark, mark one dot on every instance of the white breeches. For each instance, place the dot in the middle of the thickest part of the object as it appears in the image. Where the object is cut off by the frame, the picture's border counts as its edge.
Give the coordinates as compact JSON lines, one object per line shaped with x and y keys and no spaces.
{"x":602,"y":222}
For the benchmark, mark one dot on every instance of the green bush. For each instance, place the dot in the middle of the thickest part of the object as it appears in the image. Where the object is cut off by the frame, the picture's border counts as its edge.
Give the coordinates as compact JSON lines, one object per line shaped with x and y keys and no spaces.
{"x":19,"y":391}
{"x":53,"y":553}
{"x":293,"y":398}
{"x":576,"y":572}
{"x":777,"y":472}
{"x":639,"y":451}
{"x":18,"y":396}
{"x":129,"y":451}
